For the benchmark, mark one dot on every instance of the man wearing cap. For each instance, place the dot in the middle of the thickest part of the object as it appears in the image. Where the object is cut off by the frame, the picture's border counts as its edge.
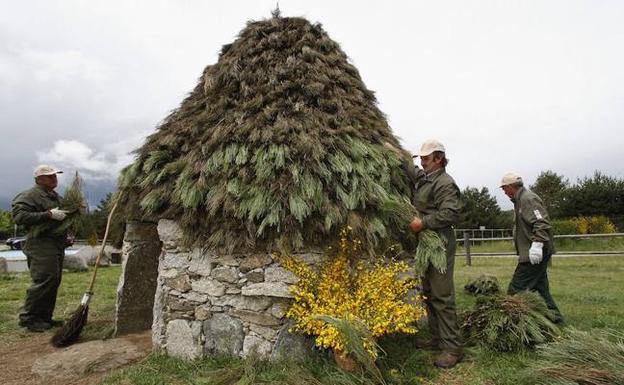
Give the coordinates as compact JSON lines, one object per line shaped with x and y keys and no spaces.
{"x":45,"y":251}
{"x":437,"y":199}
{"x":533,"y":240}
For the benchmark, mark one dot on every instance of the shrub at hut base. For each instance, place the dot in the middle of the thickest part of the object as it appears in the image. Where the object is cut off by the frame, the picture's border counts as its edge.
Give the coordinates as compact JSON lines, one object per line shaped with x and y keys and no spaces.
{"x":509,"y":323}
{"x":367,"y":294}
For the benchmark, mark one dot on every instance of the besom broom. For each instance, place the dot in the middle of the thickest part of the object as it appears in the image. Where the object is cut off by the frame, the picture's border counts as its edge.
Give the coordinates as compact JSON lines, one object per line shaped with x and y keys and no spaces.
{"x":70,"y":331}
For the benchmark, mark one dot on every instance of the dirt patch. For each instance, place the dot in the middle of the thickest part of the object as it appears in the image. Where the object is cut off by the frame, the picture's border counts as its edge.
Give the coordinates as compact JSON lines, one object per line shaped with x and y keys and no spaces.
{"x":17,"y":358}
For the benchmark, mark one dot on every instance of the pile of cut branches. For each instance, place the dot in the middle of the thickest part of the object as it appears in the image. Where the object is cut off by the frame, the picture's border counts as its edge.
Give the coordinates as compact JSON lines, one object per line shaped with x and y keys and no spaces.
{"x":510,"y":323}
{"x":484,"y":284}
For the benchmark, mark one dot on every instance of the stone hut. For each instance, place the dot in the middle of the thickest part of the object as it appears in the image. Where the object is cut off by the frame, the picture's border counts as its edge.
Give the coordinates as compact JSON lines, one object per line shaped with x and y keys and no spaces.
{"x":279,"y":145}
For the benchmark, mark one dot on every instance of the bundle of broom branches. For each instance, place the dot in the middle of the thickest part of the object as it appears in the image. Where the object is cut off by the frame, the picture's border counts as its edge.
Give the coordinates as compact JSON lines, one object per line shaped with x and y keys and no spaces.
{"x":431,"y":247}
{"x":581,"y":358}
{"x":510,"y":323}
{"x":355,"y":333}
{"x":75,"y":203}
{"x":483,"y":284}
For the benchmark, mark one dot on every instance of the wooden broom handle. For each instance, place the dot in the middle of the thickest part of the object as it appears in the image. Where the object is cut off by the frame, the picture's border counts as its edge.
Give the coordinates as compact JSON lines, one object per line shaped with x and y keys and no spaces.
{"x":97,"y":260}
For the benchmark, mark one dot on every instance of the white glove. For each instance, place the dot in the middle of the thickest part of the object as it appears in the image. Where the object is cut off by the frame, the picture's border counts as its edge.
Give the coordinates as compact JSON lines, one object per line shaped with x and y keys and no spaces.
{"x":58,"y":215}
{"x":535,"y":253}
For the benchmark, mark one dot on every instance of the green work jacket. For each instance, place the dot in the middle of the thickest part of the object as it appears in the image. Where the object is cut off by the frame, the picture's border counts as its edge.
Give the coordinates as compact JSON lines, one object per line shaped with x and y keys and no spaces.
{"x":437,"y":199}
{"x":30,"y":208}
{"x":532,"y":224}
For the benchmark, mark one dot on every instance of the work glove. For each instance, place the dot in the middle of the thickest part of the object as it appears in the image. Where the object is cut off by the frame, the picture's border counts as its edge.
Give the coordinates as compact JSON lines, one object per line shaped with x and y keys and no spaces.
{"x":535,"y":253}
{"x":58,"y":215}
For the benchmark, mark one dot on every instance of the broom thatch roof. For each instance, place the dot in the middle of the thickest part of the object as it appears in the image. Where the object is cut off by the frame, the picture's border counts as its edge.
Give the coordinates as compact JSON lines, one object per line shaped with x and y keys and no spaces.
{"x":279,"y":145}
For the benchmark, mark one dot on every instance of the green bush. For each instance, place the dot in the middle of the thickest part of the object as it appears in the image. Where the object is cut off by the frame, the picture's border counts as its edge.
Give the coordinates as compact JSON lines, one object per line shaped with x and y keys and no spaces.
{"x":584,"y":225}
{"x":6,"y":224}
{"x":565,"y":226}
{"x":597,"y":225}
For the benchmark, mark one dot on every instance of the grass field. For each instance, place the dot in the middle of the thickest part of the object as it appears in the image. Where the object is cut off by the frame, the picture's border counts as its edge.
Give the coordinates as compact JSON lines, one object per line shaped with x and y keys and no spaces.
{"x":562,"y":245}
{"x":13,"y":288}
{"x":588,"y":290}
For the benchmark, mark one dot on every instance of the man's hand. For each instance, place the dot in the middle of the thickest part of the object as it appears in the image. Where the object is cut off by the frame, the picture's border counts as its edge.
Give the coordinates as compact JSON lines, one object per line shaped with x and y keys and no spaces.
{"x":57,"y":215}
{"x":535,"y":253}
{"x":416,"y":225}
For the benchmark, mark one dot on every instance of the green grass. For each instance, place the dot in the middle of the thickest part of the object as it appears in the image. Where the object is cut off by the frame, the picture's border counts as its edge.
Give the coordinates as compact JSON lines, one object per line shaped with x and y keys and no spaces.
{"x":101,"y":310}
{"x":562,"y":245}
{"x":588,"y":291}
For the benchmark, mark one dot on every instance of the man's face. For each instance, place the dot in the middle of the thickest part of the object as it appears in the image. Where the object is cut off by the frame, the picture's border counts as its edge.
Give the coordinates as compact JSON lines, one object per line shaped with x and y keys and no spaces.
{"x":49,"y":182}
{"x":510,"y":190}
{"x":430,"y":164}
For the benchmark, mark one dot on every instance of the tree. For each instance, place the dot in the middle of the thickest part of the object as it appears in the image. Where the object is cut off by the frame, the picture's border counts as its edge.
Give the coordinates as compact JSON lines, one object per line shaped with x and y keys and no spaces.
{"x":550,"y":187}
{"x":596,"y":195}
{"x":479,"y":209}
{"x":100,"y":216}
{"x":6,"y":224}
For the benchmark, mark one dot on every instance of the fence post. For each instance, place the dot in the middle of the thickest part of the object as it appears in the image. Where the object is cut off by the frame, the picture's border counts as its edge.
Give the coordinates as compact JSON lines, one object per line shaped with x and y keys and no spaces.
{"x":467,"y":247}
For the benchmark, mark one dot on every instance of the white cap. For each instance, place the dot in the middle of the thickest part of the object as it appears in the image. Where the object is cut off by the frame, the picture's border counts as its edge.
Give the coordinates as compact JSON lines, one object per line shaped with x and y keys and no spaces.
{"x":44,"y":169}
{"x":510,"y":178}
{"x":431,"y":146}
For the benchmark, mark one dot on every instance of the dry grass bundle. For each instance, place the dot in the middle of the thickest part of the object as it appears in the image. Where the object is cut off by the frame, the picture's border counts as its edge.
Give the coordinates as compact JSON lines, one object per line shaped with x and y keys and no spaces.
{"x":484,"y":284}
{"x":510,"y":323}
{"x":279,"y":145}
{"x":581,"y":358}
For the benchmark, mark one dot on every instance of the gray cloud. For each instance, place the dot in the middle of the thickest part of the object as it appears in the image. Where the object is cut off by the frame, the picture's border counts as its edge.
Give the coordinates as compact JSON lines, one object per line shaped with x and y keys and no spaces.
{"x":523,"y":86}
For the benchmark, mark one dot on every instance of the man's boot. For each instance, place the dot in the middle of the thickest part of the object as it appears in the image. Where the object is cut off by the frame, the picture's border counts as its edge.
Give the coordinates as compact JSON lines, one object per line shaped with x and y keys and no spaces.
{"x":56,"y":322}
{"x":35,"y":326}
{"x":447,"y":360}
{"x":427,"y":344}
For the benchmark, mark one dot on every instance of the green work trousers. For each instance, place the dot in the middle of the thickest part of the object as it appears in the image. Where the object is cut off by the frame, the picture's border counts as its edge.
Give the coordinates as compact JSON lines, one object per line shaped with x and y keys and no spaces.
{"x":439,"y":291}
{"x":45,"y":262}
{"x":534,"y":278}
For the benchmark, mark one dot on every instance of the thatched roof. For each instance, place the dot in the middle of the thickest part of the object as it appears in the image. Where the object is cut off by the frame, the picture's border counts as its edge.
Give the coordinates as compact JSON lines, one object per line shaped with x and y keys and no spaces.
{"x":279,"y":145}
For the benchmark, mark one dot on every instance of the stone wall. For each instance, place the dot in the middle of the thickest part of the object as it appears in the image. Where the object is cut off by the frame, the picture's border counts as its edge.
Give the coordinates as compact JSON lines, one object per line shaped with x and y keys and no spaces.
{"x":210,"y":303}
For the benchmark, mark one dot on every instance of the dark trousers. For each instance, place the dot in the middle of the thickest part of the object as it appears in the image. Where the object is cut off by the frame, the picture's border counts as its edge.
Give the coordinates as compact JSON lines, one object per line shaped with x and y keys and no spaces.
{"x":534,"y":278}
{"x":439,"y":291}
{"x":45,"y":263}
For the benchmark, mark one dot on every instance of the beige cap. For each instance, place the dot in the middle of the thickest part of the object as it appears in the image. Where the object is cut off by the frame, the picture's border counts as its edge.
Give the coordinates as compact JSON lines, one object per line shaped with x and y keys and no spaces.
{"x":44,"y":169}
{"x":429,"y":147}
{"x":510,"y":178}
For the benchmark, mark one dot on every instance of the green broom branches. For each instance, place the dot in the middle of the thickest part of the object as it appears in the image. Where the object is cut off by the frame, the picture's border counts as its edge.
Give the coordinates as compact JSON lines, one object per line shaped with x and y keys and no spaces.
{"x":510,"y":323}
{"x":431,"y":250}
{"x":75,"y":203}
{"x":355,"y":334}
{"x":431,"y":247}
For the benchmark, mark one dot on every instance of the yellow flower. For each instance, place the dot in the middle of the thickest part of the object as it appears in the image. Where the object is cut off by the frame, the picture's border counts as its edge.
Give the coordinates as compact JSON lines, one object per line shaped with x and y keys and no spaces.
{"x":372,"y":294}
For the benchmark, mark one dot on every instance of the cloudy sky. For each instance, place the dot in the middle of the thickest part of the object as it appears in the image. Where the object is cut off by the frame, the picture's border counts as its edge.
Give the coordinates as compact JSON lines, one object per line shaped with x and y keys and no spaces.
{"x":519,"y":86}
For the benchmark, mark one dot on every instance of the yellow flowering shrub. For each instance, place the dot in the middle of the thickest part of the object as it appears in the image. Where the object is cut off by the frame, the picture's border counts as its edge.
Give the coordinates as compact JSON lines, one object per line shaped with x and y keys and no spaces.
{"x":349,"y":288}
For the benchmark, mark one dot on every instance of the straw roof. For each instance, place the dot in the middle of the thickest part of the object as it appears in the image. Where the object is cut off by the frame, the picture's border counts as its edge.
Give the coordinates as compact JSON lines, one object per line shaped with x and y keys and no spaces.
{"x":278,"y":146}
